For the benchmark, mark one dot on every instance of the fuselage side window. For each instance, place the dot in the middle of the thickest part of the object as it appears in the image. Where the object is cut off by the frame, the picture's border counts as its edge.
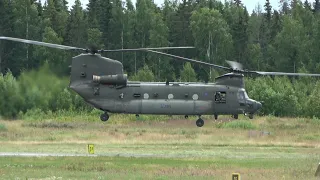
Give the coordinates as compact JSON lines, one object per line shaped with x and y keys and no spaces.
{"x":220,"y":97}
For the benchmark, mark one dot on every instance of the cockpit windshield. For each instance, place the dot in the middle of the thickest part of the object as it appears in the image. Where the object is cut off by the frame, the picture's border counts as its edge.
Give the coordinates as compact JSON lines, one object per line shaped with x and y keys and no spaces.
{"x":242,"y":95}
{"x":245,"y":95}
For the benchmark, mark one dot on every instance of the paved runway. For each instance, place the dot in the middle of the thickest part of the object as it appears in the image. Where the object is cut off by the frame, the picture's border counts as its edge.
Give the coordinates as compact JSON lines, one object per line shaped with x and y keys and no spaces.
{"x":220,"y":154}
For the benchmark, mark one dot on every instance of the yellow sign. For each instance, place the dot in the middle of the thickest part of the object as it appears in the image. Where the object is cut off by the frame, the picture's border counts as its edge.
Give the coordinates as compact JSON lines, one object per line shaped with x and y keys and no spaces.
{"x":236,"y":176}
{"x":90,"y":148}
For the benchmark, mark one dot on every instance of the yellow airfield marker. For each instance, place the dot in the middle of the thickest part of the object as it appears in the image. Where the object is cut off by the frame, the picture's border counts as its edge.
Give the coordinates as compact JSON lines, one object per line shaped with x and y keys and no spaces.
{"x":91,"y":148}
{"x":236,"y":176}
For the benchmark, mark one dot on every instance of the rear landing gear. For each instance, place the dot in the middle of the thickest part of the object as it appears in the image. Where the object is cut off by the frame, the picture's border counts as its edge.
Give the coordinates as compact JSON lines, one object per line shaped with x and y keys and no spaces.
{"x":104,"y":116}
{"x":200,"y":122}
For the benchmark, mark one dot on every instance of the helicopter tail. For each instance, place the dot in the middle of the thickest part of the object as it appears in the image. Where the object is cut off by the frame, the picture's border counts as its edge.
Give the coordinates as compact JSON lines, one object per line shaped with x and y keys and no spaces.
{"x":93,"y":68}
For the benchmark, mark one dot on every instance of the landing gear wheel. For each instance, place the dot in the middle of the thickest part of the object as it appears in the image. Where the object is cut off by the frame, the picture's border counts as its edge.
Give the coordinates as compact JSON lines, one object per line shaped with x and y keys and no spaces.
{"x":186,"y":116}
{"x":216,"y":116}
{"x":104,"y":117}
{"x":251,"y":116}
{"x":235,"y":116}
{"x":199,"y":122}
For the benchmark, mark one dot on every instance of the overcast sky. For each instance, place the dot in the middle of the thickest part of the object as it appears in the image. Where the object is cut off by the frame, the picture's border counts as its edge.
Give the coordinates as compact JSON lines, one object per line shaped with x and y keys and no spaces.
{"x":250,"y":4}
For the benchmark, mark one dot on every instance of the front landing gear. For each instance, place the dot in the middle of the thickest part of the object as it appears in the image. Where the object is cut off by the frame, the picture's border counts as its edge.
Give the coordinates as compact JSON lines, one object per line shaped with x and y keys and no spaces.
{"x":200,"y":122}
{"x":250,"y":115}
{"x":104,"y":116}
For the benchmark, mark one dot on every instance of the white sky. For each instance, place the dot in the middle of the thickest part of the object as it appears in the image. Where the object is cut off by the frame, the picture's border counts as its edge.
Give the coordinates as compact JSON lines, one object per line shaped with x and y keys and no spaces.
{"x":250,"y":4}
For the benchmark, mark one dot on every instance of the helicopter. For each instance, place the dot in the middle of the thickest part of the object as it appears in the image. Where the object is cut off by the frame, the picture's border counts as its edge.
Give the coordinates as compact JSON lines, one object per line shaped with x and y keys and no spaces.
{"x":101,"y":82}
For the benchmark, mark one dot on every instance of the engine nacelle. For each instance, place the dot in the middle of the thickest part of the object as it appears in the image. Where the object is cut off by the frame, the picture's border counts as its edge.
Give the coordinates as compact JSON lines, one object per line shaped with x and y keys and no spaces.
{"x":118,"y":79}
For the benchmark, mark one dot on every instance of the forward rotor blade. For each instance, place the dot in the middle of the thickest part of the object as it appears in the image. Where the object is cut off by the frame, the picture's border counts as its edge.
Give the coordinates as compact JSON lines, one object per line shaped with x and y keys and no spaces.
{"x":142,"y":49}
{"x":190,"y":60}
{"x":283,"y":74}
{"x":40,"y":43}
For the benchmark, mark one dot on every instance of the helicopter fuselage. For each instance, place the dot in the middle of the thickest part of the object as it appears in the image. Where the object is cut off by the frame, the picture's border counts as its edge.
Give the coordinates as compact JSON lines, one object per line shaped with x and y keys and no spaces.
{"x":101,"y":82}
{"x":168,"y":98}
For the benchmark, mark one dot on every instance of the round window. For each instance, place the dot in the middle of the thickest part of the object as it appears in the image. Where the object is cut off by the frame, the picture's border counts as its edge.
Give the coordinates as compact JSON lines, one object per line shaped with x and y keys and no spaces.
{"x":195,"y":97}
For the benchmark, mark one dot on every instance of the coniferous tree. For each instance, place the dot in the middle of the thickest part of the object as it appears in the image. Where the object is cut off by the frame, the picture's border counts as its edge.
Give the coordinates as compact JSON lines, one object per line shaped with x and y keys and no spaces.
{"x":144,"y":74}
{"x":76,"y":34}
{"x":56,"y":16}
{"x":188,"y":74}
{"x":284,"y":6}
{"x":54,"y":57}
{"x":268,"y":8}
{"x":39,"y":8}
{"x":241,"y":37}
{"x":25,"y":25}
{"x":212,"y":38}
{"x":116,"y":25}
{"x":93,"y":7}
{"x":6,"y":29}
{"x":307,"y":5}
{"x":238,"y":3}
{"x":159,"y":38}
{"x":316,"y":6}
{"x":293,"y":4}
{"x":275,"y":24}
{"x":104,"y":15}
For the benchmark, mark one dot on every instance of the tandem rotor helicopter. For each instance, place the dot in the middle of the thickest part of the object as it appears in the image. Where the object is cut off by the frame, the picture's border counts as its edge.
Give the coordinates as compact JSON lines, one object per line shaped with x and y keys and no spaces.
{"x":100,"y":81}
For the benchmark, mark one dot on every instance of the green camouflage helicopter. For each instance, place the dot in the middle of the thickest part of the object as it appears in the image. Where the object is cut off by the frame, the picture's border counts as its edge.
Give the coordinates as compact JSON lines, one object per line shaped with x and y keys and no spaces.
{"x":101,"y":82}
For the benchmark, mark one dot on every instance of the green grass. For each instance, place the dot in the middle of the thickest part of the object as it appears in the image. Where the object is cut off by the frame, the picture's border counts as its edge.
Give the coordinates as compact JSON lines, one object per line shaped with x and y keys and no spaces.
{"x":154,"y":168}
{"x":3,"y":128}
{"x":156,"y":148}
{"x":240,"y":124}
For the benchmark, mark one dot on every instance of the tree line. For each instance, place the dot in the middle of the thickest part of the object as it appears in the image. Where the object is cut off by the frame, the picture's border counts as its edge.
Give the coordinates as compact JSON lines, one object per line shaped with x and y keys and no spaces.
{"x":43,"y":91}
{"x":266,"y":39}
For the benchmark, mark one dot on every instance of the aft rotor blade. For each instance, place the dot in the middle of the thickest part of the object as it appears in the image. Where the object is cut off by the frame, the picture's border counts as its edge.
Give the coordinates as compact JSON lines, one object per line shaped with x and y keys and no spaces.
{"x":58,"y":46}
{"x":189,"y":60}
{"x":141,"y":49}
{"x":235,"y":65}
{"x":283,"y":74}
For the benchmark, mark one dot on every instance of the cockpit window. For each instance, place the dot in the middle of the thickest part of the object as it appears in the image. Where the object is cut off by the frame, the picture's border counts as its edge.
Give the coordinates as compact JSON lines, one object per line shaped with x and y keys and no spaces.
{"x":246,"y":95}
{"x":242,"y":95}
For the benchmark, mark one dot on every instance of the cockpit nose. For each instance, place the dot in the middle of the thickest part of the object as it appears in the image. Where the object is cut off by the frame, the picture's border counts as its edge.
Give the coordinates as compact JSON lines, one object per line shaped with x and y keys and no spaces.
{"x":258,"y":105}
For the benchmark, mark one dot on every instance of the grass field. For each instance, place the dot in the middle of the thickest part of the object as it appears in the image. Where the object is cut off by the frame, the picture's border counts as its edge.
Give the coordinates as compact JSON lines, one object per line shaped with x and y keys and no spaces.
{"x":162,"y":148}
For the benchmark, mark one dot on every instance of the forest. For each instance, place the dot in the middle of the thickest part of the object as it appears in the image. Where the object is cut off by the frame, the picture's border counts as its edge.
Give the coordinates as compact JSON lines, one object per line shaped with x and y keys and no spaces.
{"x":269,"y":38}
